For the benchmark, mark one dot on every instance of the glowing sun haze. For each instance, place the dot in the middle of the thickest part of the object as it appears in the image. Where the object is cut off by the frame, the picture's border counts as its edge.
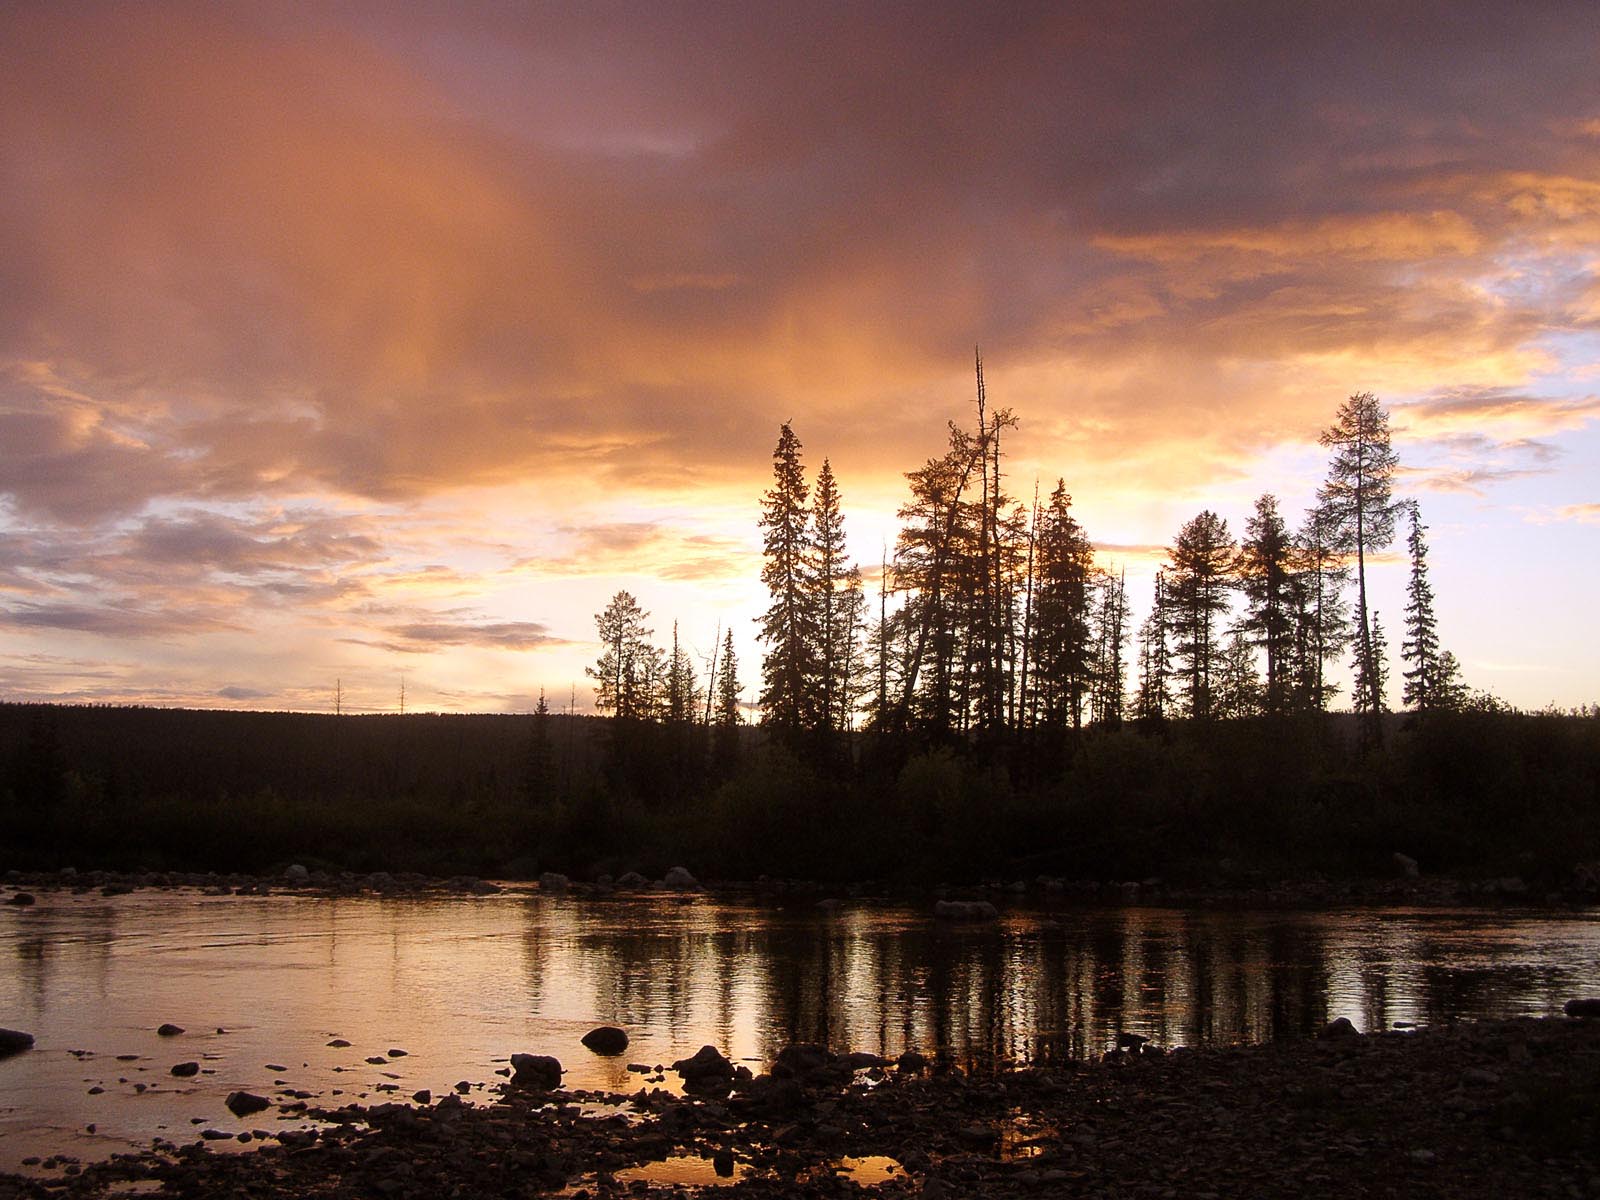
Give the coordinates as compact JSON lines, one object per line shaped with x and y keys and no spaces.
{"x":342,"y":341}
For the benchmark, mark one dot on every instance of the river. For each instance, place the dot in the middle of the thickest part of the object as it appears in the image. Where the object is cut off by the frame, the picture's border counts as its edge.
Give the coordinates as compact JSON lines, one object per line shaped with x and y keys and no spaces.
{"x":262,"y":984}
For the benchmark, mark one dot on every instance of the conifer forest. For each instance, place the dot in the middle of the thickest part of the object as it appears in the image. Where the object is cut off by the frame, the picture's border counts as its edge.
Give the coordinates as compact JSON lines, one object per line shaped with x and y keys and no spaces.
{"x":985,"y":702}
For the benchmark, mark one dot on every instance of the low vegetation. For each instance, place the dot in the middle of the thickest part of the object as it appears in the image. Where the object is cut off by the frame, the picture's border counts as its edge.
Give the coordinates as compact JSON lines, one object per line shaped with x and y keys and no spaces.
{"x":1472,"y":793}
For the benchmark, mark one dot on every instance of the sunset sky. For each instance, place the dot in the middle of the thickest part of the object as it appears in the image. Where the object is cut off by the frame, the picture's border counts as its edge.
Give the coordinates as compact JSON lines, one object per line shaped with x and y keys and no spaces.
{"x":341,"y":342}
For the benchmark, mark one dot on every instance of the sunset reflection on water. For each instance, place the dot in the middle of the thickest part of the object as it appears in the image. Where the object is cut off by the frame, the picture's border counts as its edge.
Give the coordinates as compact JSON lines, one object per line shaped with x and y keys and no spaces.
{"x":460,"y":984}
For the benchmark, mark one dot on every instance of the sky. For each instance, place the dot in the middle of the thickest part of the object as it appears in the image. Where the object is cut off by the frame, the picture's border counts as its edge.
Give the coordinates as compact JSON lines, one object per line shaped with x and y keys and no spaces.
{"x":350,"y":343}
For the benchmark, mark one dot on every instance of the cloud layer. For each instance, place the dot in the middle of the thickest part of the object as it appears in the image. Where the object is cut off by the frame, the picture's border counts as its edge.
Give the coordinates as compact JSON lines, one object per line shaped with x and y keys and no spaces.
{"x":298,"y":298}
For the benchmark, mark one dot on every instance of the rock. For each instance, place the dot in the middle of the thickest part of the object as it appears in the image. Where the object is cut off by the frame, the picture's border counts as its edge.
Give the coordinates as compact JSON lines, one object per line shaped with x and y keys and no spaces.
{"x":1407,"y":865}
{"x":912,"y":1061}
{"x":14,"y":1041}
{"x":1339,"y":1027}
{"x":536,"y":1071}
{"x":707,"y":1063}
{"x":170,"y":1030}
{"x":338,"y":1043}
{"x":1584,"y":1006}
{"x":679,"y":880}
{"x":629,"y":881}
{"x":295,"y":873}
{"x":722,"y":1164}
{"x":554,"y":881}
{"x":185,"y":1069}
{"x":1131,"y":1041}
{"x":801,"y":1059}
{"x":778,"y":1097}
{"x":396,"y":1052}
{"x":862,"y":1060}
{"x":242,"y":1104}
{"x":606,"y":1039}
{"x":423,"y":1096}
{"x":21,"y":899}
{"x":965,"y":910}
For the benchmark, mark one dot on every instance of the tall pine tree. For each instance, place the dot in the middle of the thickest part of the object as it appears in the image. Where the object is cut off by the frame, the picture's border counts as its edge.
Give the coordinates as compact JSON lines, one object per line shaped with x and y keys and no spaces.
{"x":1358,"y":499}
{"x":789,"y":668}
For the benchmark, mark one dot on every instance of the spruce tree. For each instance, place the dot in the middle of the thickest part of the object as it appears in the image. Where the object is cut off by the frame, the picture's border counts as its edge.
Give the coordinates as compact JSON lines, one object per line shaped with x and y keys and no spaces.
{"x":837,"y":606}
{"x":1420,"y":648}
{"x":1062,"y":653}
{"x":727,"y":718}
{"x":625,"y":673}
{"x":1155,"y":660}
{"x":1371,"y":673}
{"x":789,"y":668}
{"x":1200,"y":573}
{"x":1265,"y":577}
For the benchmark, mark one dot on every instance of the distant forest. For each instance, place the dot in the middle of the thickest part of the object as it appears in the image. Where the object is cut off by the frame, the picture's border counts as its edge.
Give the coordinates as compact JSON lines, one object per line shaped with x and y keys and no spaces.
{"x":975,"y":716}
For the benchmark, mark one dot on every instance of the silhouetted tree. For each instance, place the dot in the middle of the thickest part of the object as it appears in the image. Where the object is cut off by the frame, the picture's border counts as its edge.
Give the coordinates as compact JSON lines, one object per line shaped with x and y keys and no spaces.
{"x":1420,"y":647}
{"x":1321,"y":614}
{"x":1239,"y":692}
{"x":1155,"y":658}
{"x":1371,"y":673}
{"x":837,"y":606}
{"x":1199,"y":566}
{"x":991,"y":575}
{"x":627,"y":672}
{"x":1110,"y":636}
{"x":1062,"y":654}
{"x":1264,"y":567}
{"x":727,"y":718}
{"x":789,"y":669}
{"x":930,"y":553}
{"x":1357,"y":497}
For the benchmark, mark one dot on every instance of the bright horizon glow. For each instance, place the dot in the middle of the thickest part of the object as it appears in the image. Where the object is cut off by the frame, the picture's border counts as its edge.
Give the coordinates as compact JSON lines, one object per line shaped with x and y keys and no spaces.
{"x":345,"y":343}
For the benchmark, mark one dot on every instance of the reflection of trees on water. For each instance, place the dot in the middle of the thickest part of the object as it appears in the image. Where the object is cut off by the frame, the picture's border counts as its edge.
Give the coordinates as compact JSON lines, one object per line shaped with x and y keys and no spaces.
{"x":1031,"y":986}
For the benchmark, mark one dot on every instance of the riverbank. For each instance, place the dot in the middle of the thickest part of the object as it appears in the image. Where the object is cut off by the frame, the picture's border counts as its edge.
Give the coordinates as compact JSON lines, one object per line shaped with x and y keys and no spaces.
{"x":1479,"y":1109}
{"x":1308,"y":892}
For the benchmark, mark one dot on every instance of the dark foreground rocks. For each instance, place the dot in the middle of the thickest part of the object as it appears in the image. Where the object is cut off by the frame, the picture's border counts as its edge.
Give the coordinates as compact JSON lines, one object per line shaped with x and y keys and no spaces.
{"x":1482,"y":1110}
{"x":14,"y":1041}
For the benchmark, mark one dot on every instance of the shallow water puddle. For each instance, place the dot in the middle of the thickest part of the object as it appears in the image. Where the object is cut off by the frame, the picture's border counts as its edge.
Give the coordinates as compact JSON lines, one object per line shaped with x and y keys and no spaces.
{"x":1023,"y":1136}
{"x":871,"y":1168}
{"x":684,"y":1170}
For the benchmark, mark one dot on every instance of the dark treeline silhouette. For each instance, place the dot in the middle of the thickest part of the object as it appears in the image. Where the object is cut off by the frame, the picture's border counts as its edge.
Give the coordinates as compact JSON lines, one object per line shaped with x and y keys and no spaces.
{"x":979,"y":716}
{"x":1472,"y":792}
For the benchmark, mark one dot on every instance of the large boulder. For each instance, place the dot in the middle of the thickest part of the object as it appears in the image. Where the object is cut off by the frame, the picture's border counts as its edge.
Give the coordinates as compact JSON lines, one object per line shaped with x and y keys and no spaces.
{"x":606,"y":1039}
{"x":554,"y":881}
{"x":1339,"y":1027}
{"x":297,"y":874}
{"x":679,"y":880}
{"x":1583,"y":1006}
{"x":801,"y":1059}
{"x":243,"y":1104}
{"x":706,"y":1063}
{"x":14,"y":1041}
{"x":536,"y":1071}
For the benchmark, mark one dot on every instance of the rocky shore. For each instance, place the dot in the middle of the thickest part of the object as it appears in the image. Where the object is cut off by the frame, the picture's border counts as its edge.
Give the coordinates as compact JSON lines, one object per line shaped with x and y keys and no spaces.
{"x":1483,"y":1109}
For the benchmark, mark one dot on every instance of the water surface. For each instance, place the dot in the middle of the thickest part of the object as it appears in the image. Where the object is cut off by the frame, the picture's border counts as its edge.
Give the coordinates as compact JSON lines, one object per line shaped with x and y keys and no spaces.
{"x":460,"y":983}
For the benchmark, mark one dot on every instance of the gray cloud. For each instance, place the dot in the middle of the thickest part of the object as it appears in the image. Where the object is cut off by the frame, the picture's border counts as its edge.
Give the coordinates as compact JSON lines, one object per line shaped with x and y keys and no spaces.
{"x":423,"y":636}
